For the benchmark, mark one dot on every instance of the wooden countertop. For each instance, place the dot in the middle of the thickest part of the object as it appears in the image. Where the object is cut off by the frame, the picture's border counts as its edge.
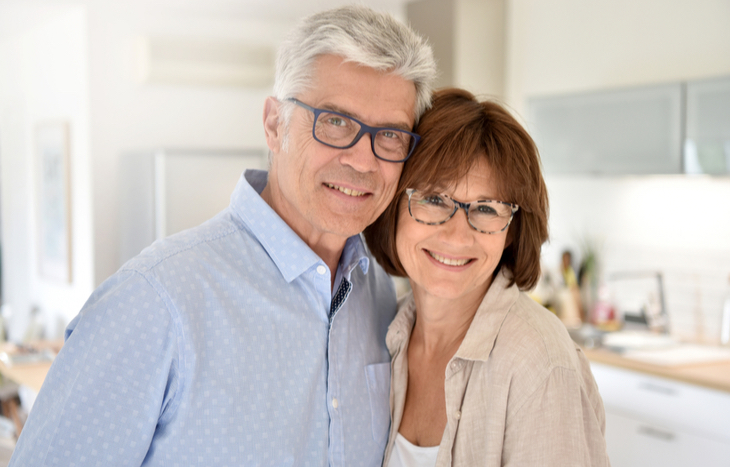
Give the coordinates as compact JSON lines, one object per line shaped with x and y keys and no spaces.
{"x":714,"y":375}
{"x":29,"y":374}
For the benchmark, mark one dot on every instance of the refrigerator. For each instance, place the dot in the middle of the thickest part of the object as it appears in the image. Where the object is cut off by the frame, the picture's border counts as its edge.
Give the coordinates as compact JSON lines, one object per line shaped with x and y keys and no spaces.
{"x":165,"y":191}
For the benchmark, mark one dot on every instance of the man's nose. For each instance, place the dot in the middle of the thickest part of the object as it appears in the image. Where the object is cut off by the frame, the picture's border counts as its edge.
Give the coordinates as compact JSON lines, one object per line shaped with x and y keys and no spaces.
{"x":360,"y":156}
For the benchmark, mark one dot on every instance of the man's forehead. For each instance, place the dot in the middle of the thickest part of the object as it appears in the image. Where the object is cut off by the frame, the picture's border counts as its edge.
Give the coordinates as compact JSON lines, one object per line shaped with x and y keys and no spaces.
{"x":376,"y":97}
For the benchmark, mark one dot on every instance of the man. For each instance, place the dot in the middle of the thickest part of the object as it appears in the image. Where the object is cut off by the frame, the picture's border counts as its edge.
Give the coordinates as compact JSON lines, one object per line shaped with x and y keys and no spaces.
{"x":257,"y":338}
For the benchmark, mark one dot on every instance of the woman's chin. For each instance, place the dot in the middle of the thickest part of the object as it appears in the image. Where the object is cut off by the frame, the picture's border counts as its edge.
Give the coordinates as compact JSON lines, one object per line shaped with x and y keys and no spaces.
{"x":445,"y":291}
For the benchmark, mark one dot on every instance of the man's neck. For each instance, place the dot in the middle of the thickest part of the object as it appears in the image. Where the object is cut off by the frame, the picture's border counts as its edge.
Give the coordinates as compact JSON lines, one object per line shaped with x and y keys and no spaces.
{"x":326,"y":245}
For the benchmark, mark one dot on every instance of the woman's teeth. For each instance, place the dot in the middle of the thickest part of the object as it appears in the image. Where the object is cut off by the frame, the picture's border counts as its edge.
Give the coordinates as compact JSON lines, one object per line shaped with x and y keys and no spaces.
{"x":447,"y":261}
{"x":346,"y":191}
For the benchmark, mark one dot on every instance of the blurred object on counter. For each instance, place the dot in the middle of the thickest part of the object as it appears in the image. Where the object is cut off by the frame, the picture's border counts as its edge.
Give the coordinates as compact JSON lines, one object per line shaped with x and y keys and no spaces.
{"x":544,"y":291}
{"x":630,"y":340}
{"x":725,"y":323}
{"x":638,"y":299}
{"x":698,"y":313}
{"x":589,"y":274}
{"x":587,"y":336}
{"x":568,"y":303}
{"x":5,"y":315}
{"x":603,"y":314}
{"x":567,"y":308}
{"x":36,"y":330}
{"x":566,"y":269}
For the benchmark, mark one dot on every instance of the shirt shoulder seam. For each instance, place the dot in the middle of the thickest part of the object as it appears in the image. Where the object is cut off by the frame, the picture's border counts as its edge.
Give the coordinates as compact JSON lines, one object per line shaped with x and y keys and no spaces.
{"x":179,"y":331}
{"x":145,"y":268}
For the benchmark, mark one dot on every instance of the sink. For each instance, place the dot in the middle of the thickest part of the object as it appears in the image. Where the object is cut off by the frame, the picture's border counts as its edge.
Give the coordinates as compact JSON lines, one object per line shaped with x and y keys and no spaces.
{"x":636,"y":340}
{"x":680,"y":354}
{"x":649,"y":347}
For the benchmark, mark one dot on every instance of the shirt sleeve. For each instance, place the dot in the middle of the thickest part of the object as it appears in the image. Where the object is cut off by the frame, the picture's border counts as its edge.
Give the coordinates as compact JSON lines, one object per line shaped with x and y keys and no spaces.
{"x":561,"y":424}
{"x":113,"y":382}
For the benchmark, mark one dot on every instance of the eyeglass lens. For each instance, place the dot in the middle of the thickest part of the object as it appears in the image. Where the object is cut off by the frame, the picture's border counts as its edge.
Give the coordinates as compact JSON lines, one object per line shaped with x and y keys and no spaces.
{"x":339,"y":131}
{"x":433,"y":208}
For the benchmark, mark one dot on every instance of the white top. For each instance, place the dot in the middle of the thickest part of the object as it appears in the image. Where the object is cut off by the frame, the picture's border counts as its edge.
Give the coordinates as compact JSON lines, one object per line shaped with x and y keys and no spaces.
{"x":406,"y":454}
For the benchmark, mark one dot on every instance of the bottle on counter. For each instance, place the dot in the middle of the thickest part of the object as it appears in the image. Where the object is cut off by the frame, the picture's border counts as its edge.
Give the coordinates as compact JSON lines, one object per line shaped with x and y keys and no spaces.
{"x":725,"y":323}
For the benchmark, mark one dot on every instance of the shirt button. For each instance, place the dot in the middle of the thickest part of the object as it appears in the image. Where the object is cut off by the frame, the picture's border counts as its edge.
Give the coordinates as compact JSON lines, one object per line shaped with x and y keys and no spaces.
{"x":454,"y":365}
{"x":335,"y":404}
{"x":457,"y":414}
{"x":321,"y":270}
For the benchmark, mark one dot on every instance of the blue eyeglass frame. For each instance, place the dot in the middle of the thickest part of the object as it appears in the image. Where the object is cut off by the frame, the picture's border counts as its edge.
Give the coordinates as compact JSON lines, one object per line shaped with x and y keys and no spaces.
{"x":372,"y":130}
{"x":465,"y":206}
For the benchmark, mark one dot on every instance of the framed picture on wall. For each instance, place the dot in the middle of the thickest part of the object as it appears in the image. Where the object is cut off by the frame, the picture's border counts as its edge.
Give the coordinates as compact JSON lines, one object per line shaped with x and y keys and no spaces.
{"x":53,"y":199}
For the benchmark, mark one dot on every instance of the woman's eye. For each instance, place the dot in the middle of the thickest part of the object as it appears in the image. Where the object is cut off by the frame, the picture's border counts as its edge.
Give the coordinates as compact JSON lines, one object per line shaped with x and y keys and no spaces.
{"x":485,"y":209}
{"x":434,"y":200}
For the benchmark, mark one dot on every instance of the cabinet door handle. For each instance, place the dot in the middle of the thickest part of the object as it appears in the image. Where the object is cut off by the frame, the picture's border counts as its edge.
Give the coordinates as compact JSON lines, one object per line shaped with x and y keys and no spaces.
{"x":656,"y":433}
{"x":667,"y":391}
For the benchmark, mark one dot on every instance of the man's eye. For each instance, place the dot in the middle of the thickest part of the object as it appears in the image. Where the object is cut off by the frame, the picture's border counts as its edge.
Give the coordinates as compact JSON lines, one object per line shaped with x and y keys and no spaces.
{"x":336,"y":121}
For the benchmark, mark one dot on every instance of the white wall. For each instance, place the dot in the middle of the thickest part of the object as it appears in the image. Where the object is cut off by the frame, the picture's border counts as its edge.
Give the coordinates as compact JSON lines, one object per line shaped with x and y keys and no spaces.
{"x":75,"y":60}
{"x":468,"y":41}
{"x":43,"y":76}
{"x":127,"y":115}
{"x":479,"y":47}
{"x":564,"y":46}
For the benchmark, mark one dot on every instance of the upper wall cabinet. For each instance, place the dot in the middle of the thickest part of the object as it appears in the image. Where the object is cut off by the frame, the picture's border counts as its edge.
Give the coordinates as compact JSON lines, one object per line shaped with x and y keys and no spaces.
{"x":624,"y":131}
{"x":707,"y":146}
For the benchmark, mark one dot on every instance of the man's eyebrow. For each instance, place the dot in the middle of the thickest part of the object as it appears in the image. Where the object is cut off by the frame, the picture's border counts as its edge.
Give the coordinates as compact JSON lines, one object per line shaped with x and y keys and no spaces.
{"x":397,"y":126}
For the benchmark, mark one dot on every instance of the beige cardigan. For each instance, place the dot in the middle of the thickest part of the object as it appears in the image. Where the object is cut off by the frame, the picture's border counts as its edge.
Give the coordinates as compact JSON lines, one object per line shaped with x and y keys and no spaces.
{"x":519,"y":392}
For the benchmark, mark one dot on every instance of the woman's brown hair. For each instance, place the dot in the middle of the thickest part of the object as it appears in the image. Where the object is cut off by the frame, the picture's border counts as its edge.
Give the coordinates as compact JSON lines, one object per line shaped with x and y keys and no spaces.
{"x":457,"y":131}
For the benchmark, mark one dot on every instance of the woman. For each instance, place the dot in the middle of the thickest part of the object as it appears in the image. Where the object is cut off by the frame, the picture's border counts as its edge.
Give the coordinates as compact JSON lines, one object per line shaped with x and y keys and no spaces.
{"x":481,"y":374}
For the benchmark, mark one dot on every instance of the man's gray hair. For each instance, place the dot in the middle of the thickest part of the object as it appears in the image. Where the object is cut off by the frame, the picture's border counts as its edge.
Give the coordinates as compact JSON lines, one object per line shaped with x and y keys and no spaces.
{"x":359,"y":35}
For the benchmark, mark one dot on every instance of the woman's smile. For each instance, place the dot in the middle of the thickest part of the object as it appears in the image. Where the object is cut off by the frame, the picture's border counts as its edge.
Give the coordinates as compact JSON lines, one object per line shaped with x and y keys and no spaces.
{"x":447,"y":260}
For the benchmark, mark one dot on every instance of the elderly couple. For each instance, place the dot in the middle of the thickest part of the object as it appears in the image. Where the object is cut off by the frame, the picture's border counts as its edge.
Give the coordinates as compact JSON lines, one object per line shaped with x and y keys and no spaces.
{"x":269,"y":335}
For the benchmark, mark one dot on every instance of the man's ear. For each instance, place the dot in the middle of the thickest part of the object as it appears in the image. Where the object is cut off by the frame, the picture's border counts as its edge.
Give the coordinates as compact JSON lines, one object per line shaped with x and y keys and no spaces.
{"x":271,"y":124}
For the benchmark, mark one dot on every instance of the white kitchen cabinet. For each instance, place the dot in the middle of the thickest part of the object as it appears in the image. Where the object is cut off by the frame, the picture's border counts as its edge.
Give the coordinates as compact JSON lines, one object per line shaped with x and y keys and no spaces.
{"x":658,"y":421}
{"x":165,"y":191}
{"x":633,"y":442}
{"x":610,"y":132}
{"x":707,"y":143}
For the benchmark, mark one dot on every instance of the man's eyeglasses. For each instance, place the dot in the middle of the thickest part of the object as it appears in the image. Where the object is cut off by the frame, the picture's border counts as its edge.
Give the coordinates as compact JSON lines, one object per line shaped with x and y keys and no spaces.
{"x":341,"y":131}
{"x":486,"y":215}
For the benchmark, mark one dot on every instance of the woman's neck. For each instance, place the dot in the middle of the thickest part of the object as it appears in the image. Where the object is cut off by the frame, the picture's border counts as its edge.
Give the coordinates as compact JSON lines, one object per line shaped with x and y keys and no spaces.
{"x":442,"y":323}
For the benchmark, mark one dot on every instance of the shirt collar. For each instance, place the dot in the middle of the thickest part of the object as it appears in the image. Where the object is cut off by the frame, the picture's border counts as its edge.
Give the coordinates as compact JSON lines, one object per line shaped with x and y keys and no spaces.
{"x":399,"y":331}
{"x":487,"y":322}
{"x":482,"y":333}
{"x":353,"y":255}
{"x":289,"y":252}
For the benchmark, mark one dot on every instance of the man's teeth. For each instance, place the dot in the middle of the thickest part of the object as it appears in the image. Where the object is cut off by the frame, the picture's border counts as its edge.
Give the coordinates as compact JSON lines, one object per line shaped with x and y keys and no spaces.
{"x":447,"y":261}
{"x":346,"y":191}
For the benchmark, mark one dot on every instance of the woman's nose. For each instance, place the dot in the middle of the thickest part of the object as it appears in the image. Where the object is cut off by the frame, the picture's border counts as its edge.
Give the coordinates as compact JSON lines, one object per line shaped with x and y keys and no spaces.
{"x":457,"y":230}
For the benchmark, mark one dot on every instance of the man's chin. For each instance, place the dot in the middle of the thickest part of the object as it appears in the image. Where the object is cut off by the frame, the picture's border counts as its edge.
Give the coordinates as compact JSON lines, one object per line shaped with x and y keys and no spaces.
{"x":343,"y":225}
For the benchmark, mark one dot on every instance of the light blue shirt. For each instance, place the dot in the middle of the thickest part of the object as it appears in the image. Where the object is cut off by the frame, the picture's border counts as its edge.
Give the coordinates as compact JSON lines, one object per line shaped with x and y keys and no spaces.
{"x":214,"y":347}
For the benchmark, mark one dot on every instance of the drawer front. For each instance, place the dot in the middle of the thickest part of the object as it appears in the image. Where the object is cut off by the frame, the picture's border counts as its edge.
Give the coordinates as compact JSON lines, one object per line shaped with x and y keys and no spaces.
{"x":633,"y":443}
{"x":666,"y":402}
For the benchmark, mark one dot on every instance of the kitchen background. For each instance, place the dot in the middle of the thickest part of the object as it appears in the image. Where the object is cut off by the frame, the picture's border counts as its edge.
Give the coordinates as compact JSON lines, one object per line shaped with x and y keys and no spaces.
{"x":190,"y":77}
{"x":81,"y":62}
